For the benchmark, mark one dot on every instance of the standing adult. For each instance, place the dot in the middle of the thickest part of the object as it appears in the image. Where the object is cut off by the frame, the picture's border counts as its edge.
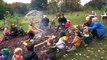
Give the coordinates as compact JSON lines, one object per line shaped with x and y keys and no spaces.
{"x":44,"y":23}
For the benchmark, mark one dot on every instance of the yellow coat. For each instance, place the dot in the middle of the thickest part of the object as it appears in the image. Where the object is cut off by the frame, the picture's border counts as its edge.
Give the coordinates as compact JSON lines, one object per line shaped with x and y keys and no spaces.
{"x":33,"y":29}
{"x":76,"y":41}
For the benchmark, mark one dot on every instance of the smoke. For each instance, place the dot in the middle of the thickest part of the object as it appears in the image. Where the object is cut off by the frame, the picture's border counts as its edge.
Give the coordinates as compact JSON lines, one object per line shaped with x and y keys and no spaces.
{"x":34,"y":15}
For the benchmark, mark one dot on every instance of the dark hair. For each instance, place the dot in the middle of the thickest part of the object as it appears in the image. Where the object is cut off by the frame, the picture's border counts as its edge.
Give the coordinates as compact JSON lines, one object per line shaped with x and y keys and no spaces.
{"x":78,"y":33}
{"x":62,"y":34}
{"x":30,"y":47}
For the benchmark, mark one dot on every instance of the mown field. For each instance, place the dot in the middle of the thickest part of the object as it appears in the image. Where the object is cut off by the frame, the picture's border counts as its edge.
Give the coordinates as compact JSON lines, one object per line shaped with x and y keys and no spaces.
{"x":97,"y":50}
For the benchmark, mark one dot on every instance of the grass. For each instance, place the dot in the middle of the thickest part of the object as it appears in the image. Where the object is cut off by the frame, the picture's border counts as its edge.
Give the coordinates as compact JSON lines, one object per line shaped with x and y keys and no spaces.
{"x":97,"y":50}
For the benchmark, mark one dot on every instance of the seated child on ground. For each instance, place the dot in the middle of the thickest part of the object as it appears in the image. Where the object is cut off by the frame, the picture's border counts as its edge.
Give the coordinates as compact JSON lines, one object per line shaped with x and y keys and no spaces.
{"x":76,"y":42}
{"x":5,"y":54}
{"x":51,"y":51}
{"x":68,"y":27}
{"x":6,"y":33}
{"x":21,"y":31}
{"x":1,"y":39}
{"x":13,"y":31}
{"x":62,"y":41}
{"x":17,"y":54}
{"x":30,"y":54}
{"x":87,"y":36}
{"x":68,"y":24}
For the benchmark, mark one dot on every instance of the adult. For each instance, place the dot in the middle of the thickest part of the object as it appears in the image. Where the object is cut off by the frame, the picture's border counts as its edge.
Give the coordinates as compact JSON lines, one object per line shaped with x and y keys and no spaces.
{"x":98,"y":29}
{"x":61,"y":20}
{"x":31,"y":31}
{"x":44,"y":23}
{"x":87,"y":22}
{"x":30,"y":54}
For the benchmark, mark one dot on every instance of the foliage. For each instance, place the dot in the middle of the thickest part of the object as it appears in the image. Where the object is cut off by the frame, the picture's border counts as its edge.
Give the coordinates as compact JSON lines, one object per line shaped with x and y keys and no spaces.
{"x":20,"y":8}
{"x":72,"y":5}
{"x":12,"y":19}
{"x":95,"y":4}
{"x":39,"y":4}
{"x":64,"y":5}
{"x":3,"y":9}
{"x":52,"y":7}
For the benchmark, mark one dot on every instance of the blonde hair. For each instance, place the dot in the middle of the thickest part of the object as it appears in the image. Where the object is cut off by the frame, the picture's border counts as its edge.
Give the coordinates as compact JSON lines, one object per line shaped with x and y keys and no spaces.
{"x":17,"y":51}
{"x":94,"y":19}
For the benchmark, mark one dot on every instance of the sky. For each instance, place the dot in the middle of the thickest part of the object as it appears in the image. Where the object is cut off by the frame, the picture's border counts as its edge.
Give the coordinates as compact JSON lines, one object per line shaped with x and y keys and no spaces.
{"x":28,"y":1}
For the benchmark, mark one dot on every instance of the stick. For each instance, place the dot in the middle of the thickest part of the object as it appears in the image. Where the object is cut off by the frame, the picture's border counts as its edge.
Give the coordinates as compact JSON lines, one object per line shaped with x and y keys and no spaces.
{"x":43,"y":42}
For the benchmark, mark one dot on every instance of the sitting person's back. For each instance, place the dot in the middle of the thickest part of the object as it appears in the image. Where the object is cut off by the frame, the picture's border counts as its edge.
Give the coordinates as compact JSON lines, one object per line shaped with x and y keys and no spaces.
{"x":30,"y":54}
{"x":17,"y":54}
{"x":51,"y":51}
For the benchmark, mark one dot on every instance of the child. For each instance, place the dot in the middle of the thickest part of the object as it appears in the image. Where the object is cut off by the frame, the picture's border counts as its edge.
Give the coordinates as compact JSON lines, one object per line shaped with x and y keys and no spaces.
{"x":68,"y":24}
{"x":62,"y":41}
{"x":53,"y":25}
{"x":0,"y":39}
{"x":17,"y":54}
{"x":76,"y":41}
{"x":51,"y":52}
{"x":6,"y":33}
{"x":5,"y":54}
{"x":21,"y":31}
{"x":30,"y":54}
{"x":87,"y":36}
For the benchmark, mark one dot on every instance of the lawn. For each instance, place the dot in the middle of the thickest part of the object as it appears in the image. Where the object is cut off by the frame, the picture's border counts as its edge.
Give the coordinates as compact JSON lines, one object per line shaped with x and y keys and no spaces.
{"x":97,"y":50}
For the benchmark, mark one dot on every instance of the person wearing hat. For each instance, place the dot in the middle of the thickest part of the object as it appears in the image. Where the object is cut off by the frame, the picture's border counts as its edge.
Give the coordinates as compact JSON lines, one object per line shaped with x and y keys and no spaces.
{"x":5,"y":54}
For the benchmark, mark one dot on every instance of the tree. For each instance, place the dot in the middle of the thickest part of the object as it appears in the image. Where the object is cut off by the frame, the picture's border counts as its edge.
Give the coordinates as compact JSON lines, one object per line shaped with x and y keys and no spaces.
{"x":3,"y":9}
{"x":64,"y":5}
{"x":72,"y":5}
{"x":39,"y":4}
{"x":52,"y":7}
{"x":95,"y":4}
{"x":20,"y":8}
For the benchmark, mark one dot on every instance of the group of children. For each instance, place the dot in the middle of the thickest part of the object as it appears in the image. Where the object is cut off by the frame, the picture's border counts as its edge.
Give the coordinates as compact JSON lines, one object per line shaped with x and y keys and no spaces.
{"x":13,"y":32}
{"x":19,"y":53}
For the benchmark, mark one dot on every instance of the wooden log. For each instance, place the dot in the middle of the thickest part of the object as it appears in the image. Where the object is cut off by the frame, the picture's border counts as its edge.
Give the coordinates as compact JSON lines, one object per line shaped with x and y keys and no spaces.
{"x":50,"y":38}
